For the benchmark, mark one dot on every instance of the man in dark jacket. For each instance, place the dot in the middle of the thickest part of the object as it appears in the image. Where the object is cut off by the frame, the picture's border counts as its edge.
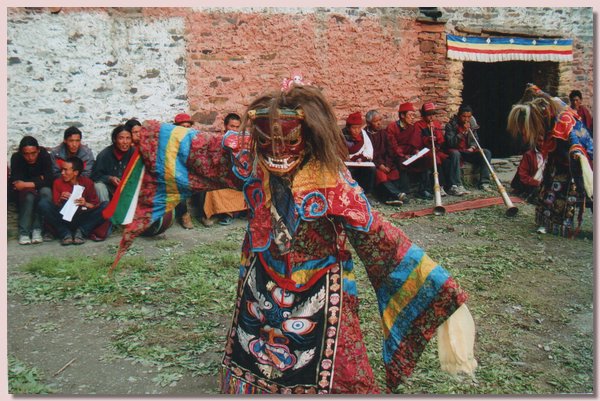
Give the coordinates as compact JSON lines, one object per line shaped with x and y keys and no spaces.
{"x":111,"y":163}
{"x":460,"y":146}
{"x":31,"y":180}
{"x":72,"y":146}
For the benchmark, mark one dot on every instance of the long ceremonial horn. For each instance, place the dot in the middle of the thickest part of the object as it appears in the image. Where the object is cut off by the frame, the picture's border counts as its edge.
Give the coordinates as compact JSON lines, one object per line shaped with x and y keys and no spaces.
{"x":511,"y":210}
{"x":438,"y":210}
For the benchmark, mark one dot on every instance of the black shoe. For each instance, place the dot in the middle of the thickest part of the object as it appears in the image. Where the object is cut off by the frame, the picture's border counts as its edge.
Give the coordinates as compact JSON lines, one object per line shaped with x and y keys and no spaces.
{"x":425,"y":195}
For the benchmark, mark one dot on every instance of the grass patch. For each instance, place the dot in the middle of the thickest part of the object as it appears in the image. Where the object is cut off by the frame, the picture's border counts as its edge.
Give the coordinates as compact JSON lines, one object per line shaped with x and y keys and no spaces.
{"x":24,"y":379}
{"x":173,"y":310}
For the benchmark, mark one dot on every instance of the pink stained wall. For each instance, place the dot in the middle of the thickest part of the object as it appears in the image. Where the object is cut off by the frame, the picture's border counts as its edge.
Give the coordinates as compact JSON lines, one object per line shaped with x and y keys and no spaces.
{"x":362,"y":64}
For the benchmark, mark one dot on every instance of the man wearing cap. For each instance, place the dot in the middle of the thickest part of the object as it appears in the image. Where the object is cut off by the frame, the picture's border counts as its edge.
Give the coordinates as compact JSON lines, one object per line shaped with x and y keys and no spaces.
{"x":360,"y":150}
{"x":184,"y":120}
{"x":181,"y":210}
{"x":423,"y":129}
{"x":461,"y":147}
{"x":390,"y":185}
{"x":72,"y":146}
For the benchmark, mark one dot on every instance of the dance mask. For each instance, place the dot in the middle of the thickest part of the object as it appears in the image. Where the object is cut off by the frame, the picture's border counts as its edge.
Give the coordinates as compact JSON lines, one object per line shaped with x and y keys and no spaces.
{"x":279,"y":141}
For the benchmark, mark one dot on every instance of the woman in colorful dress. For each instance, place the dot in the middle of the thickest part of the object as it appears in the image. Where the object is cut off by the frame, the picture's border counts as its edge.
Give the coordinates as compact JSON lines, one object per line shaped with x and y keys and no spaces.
{"x":567,"y":184}
{"x":295,"y":326}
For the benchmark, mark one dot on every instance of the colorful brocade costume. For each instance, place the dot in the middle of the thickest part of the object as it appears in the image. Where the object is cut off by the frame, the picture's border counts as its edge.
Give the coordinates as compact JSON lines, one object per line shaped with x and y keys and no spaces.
{"x":562,"y":196}
{"x":295,"y":326}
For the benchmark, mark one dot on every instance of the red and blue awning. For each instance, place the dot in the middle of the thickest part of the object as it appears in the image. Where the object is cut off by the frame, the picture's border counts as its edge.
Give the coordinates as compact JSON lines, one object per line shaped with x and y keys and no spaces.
{"x":489,"y":49}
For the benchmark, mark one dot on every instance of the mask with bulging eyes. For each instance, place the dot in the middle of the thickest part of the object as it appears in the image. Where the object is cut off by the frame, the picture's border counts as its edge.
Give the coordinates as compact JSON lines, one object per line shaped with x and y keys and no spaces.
{"x":280,"y":144}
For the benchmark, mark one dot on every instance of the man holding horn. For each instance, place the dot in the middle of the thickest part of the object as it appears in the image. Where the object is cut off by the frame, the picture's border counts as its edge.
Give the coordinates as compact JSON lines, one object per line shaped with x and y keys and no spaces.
{"x":461,"y":146}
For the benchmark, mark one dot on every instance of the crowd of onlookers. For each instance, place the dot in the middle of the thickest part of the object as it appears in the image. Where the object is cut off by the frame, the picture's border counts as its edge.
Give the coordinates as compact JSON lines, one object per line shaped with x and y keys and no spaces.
{"x":61,"y":192}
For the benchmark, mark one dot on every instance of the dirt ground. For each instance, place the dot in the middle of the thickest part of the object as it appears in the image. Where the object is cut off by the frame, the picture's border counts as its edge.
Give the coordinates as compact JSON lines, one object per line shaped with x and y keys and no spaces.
{"x":70,"y":349}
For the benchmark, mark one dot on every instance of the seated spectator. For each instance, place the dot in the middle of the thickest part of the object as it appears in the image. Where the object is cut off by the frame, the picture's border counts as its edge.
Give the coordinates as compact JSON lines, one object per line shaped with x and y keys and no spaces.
{"x":360,"y":150}
{"x":31,"y":181}
{"x":111,"y":162}
{"x":89,"y":208}
{"x":72,"y":146}
{"x":221,"y":204}
{"x":391,"y":185}
{"x":181,"y":210}
{"x":529,"y":174}
{"x":422,"y":139}
{"x":576,"y":99}
{"x":461,"y":146}
{"x":134,"y":126}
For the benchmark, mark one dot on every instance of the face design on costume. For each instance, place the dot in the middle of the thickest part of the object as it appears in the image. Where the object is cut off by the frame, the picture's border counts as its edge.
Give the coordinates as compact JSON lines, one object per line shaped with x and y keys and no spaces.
{"x":281,"y":145}
{"x":282,"y":331}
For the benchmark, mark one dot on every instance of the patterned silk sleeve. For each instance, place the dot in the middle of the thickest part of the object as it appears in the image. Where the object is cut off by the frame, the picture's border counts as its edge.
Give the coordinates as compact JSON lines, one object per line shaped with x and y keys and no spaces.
{"x":415,"y":295}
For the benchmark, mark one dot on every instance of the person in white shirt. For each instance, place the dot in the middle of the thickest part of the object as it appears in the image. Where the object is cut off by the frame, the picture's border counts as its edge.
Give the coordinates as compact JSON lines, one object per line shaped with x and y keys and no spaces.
{"x":360,"y":150}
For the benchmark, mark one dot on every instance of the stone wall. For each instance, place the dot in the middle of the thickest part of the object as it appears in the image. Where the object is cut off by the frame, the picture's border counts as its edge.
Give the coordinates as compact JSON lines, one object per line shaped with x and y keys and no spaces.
{"x":95,"y":68}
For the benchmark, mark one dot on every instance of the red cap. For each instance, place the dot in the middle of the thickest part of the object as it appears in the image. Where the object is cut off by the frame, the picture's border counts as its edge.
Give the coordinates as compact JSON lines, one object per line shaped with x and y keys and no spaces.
{"x":428,"y":108}
{"x":408,"y":106}
{"x":354,"y":119}
{"x":183,"y":118}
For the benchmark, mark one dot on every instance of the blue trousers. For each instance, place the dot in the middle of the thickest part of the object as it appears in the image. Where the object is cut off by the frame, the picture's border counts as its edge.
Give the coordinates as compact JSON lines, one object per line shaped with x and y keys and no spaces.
{"x":84,"y":220}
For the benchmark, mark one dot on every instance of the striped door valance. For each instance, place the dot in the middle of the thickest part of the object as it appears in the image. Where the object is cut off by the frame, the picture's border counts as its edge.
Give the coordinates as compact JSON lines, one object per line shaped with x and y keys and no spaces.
{"x":489,"y":49}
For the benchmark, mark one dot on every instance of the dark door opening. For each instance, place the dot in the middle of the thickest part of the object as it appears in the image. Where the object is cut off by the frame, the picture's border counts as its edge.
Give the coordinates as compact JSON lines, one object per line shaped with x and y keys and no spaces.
{"x":492,"y":88}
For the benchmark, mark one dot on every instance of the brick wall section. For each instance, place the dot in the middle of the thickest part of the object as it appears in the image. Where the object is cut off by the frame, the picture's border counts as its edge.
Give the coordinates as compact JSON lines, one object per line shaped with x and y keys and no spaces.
{"x":97,"y":67}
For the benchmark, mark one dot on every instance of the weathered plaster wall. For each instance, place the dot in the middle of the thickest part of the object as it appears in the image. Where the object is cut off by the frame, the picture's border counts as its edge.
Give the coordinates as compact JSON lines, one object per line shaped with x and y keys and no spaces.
{"x":97,"y":67}
{"x":91,"y":70}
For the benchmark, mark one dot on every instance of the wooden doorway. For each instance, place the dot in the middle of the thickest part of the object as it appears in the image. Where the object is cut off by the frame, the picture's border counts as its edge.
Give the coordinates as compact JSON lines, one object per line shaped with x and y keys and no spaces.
{"x":492,"y":88}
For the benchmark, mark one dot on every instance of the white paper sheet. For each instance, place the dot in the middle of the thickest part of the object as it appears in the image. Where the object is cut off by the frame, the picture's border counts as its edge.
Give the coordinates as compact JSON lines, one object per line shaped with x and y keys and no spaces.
{"x":415,"y":157}
{"x":69,"y":208}
{"x":360,"y":164}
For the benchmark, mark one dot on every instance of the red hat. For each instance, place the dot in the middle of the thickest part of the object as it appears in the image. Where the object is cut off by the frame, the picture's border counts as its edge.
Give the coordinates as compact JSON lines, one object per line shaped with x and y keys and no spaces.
{"x":183,"y":118}
{"x":408,"y":106}
{"x":354,"y":119}
{"x":428,"y":108}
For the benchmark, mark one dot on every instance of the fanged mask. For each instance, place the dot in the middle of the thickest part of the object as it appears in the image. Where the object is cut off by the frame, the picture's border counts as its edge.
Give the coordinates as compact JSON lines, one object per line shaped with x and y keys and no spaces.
{"x":280,"y":143}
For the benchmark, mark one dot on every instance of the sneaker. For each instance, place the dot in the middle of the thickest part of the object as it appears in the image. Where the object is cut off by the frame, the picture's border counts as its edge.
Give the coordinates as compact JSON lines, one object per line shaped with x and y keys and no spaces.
{"x":485,"y":187}
{"x":541,"y":230}
{"x":48,"y":237}
{"x":442,"y":192}
{"x":225,"y":221}
{"x":68,"y":240}
{"x":186,"y":221}
{"x":455,"y":190}
{"x":78,"y":237}
{"x":463,"y":190}
{"x":24,"y":240}
{"x":403,"y":197}
{"x":36,"y":236}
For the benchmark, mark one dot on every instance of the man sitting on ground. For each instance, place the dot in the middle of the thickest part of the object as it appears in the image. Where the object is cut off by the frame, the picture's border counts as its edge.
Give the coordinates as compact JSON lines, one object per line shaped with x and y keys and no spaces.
{"x":89,"y":208}
{"x":111,"y":163}
{"x":391,"y":185}
{"x":461,"y":146}
{"x":360,"y":150}
{"x":530,"y":172}
{"x":31,"y":181}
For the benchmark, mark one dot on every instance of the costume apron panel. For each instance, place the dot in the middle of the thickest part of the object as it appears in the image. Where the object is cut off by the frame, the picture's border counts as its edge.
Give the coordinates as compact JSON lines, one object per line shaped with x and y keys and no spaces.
{"x":283,"y":341}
